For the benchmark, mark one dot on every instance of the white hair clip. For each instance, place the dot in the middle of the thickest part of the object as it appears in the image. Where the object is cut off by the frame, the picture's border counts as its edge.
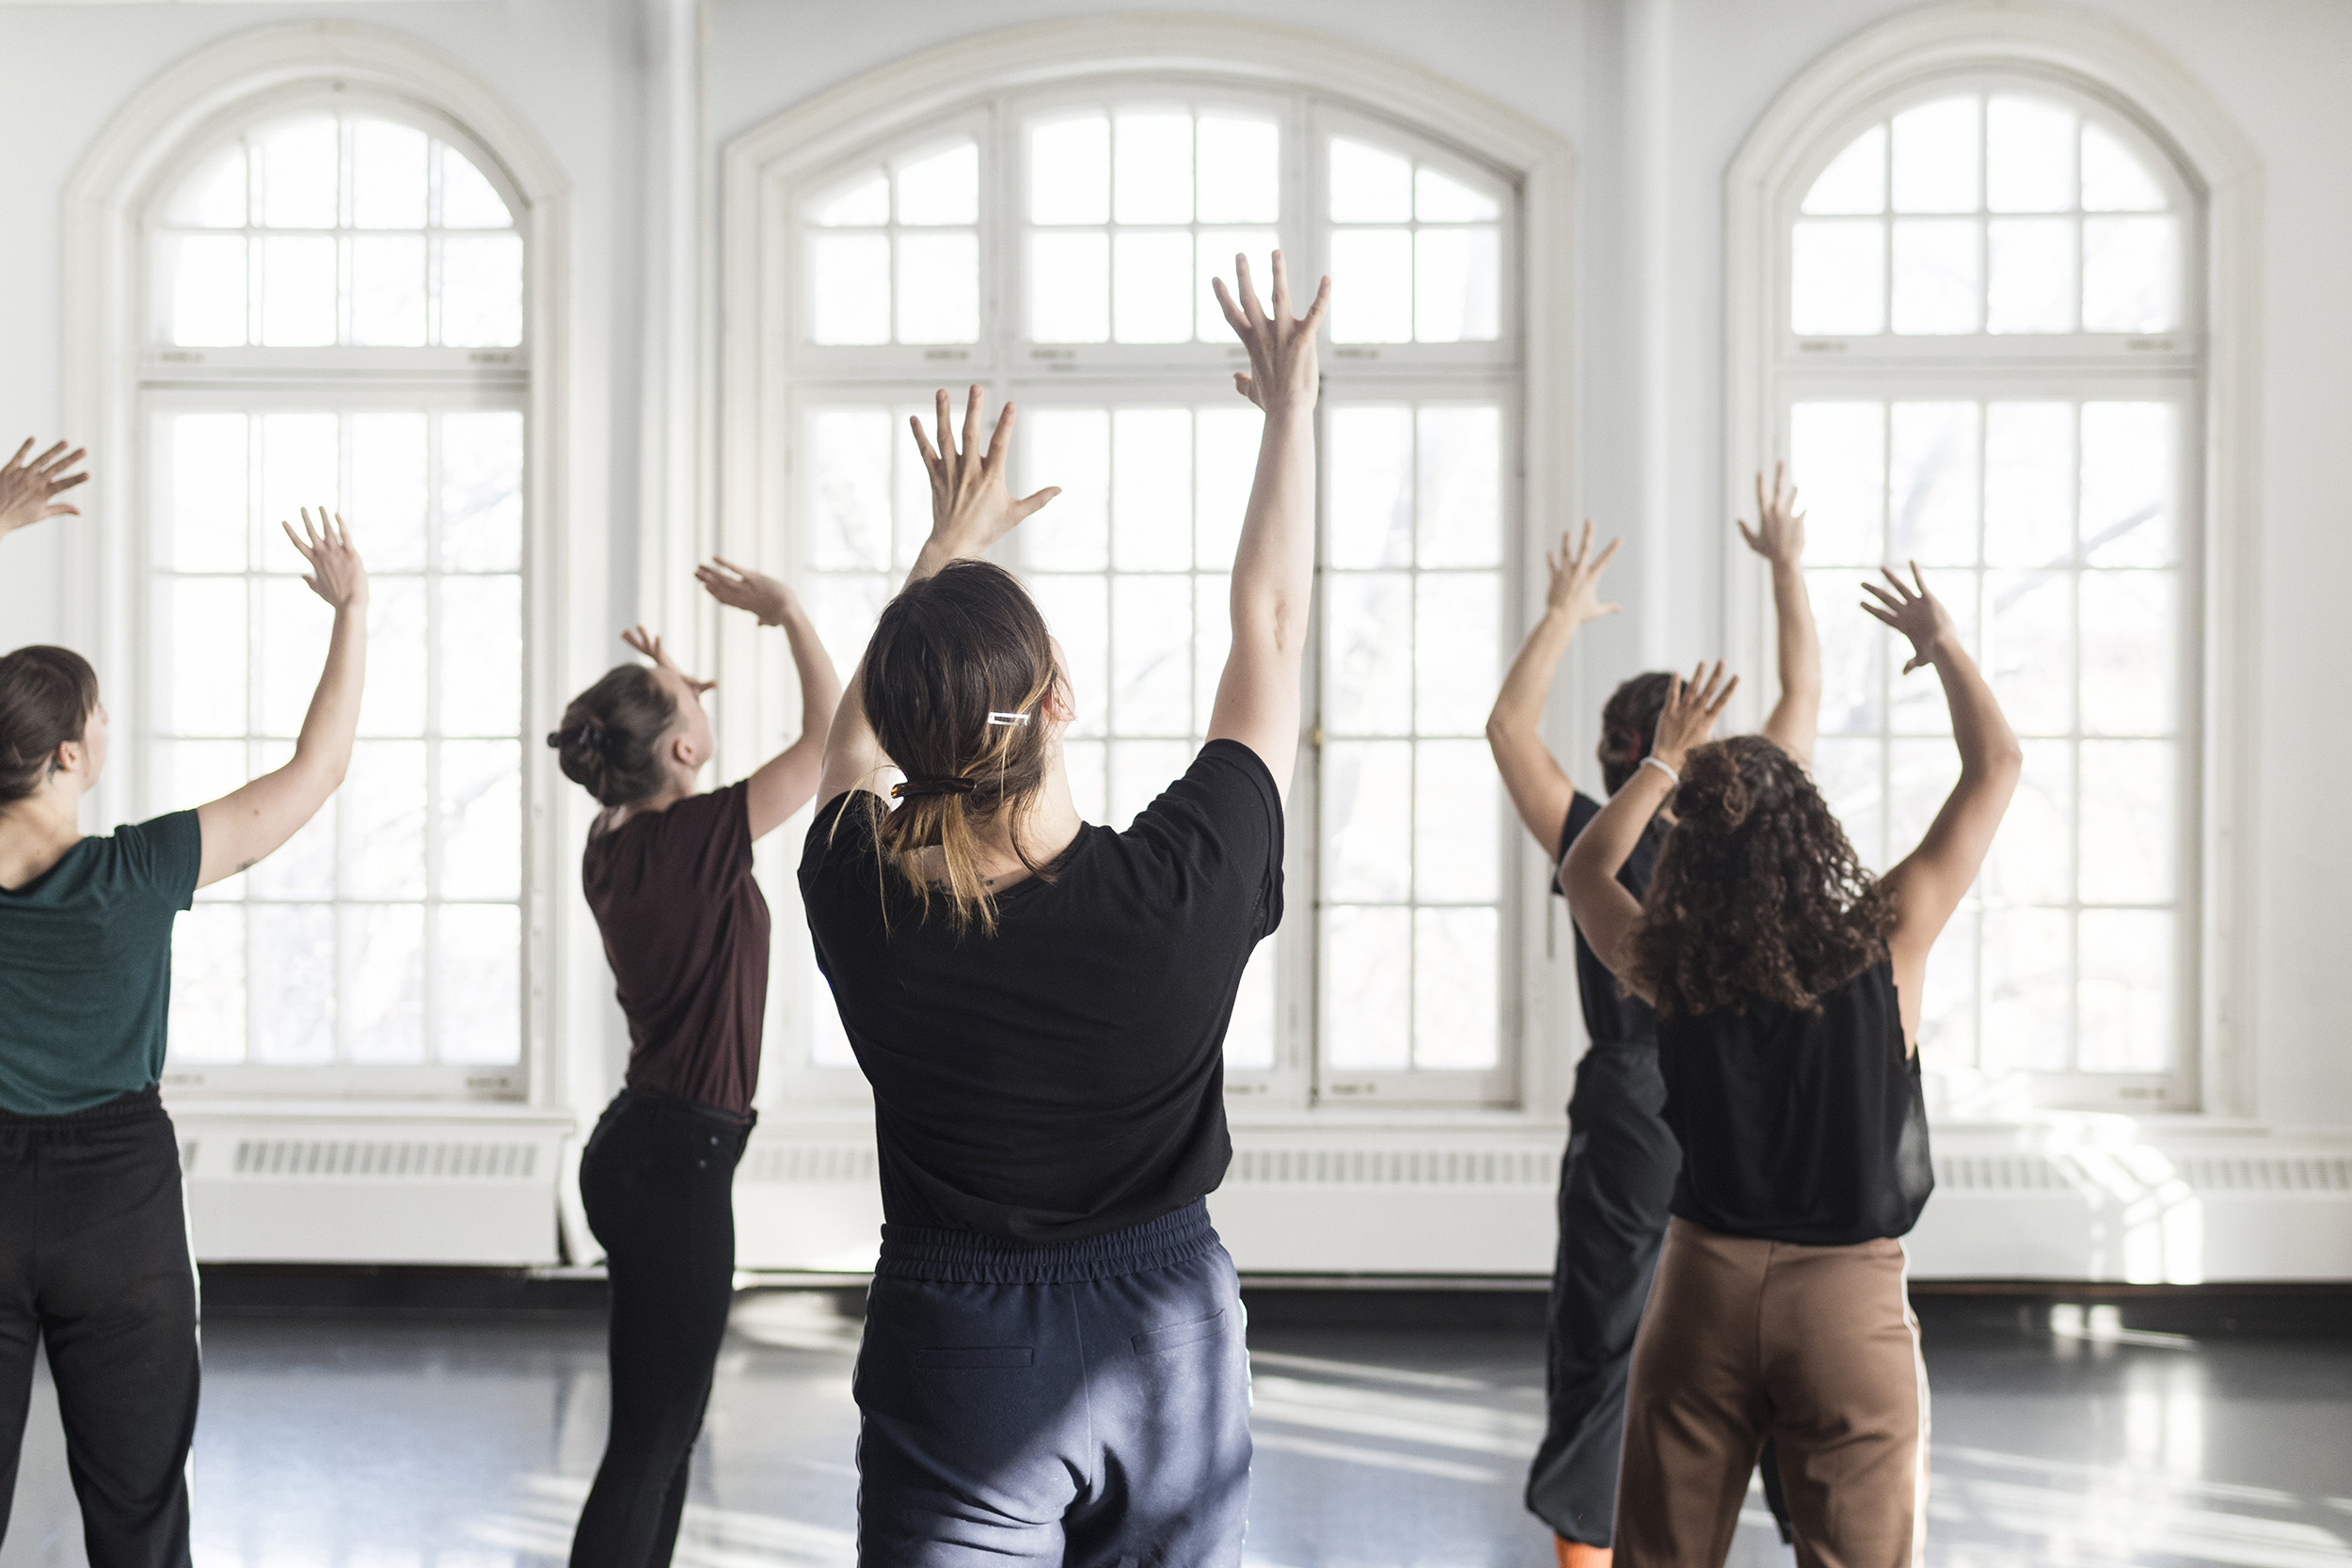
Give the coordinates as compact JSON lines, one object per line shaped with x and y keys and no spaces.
{"x":1008,"y":720}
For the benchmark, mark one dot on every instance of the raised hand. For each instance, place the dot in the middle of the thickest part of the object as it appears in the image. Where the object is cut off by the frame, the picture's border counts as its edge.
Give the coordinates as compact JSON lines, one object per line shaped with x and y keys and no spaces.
{"x":1778,"y":536}
{"x":1918,"y":615}
{"x":28,"y":490}
{"x":1283,"y":377}
{"x":1688,"y":720}
{"x":337,"y":575}
{"x":650,"y":646}
{"x":1575,"y":590}
{"x":741,"y":588}
{"x":970,"y":507}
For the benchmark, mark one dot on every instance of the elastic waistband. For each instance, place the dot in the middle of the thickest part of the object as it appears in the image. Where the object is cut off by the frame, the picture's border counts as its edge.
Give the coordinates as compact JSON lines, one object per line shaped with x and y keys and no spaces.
{"x":139,"y":1102}
{"x":968,"y":1257}
{"x":653,"y":1099}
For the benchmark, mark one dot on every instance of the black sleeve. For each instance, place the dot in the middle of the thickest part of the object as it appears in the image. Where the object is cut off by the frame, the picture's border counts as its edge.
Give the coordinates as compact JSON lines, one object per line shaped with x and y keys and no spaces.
{"x":1583,"y":808}
{"x":1224,"y":818}
{"x":166,"y":854}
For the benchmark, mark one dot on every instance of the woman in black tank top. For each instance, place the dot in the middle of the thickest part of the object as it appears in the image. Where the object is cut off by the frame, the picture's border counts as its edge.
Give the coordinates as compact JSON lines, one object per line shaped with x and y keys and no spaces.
{"x":1785,"y":979}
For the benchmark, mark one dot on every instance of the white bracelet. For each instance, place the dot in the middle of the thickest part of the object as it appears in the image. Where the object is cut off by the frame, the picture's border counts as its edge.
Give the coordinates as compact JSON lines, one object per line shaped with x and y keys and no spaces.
{"x":1652,"y":762}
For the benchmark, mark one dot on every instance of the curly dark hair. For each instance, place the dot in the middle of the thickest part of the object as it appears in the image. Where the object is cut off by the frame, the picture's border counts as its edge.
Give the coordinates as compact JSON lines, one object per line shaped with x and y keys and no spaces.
{"x":1757,"y":896}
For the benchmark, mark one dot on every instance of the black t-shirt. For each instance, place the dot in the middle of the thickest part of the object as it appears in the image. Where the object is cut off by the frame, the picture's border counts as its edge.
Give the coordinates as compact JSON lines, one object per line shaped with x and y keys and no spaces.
{"x":1612,"y":1015}
{"x":1065,"y":1076}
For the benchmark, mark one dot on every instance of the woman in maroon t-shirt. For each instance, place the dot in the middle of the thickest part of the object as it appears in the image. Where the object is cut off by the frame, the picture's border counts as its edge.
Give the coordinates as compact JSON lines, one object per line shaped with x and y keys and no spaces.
{"x":668,"y":872}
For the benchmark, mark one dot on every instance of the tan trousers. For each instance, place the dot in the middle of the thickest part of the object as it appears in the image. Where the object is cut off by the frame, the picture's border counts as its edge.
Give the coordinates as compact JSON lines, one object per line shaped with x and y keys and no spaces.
{"x":1815,"y":1345}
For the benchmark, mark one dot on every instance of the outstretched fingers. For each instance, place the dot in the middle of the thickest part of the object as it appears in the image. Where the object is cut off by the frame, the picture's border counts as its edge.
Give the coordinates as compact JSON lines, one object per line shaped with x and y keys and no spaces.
{"x":923,"y":445}
{"x":1313,"y":318}
{"x":1251,"y":308}
{"x":1000,"y":440}
{"x":971,"y":425}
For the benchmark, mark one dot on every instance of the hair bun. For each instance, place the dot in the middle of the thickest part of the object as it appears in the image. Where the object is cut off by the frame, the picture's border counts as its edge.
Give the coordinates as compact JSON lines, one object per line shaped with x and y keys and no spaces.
{"x":1712,"y":797}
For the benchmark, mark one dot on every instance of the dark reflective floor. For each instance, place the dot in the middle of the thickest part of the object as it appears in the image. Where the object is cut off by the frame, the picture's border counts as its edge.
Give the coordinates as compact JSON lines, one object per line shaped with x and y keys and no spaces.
{"x":360,"y":1443}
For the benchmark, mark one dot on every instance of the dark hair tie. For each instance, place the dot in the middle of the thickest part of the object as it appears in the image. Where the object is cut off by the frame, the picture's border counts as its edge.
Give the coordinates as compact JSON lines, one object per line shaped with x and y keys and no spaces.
{"x":912,"y":787}
{"x":591,"y":735}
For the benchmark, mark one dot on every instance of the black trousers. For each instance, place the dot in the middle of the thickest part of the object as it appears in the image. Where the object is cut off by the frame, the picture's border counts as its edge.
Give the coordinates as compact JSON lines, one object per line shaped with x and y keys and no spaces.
{"x":658,"y":1181}
{"x":1085,"y":1403}
{"x":1615,"y":1182}
{"x":94,"y":1264}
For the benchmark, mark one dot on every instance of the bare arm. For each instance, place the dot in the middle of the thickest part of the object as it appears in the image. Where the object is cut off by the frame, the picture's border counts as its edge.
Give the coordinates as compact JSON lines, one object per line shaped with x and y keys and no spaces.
{"x":1931,"y":881}
{"x":970,"y":512}
{"x":1604,"y":911}
{"x":30,"y":487}
{"x":1795,"y":721}
{"x":785,"y":781}
{"x":242,"y":826}
{"x":1274,"y":564}
{"x":1539,"y":787}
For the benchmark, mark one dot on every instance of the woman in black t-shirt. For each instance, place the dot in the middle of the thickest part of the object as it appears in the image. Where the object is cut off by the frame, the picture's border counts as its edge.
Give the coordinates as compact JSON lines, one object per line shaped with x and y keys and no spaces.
{"x":668,"y":874}
{"x":1053,"y":1363}
{"x":1786,"y":982}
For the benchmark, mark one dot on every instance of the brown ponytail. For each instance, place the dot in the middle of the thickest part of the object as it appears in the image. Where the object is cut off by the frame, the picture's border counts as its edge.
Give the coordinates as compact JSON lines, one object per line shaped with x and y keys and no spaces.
{"x":955,"y":683}
{"x":46,"y":697}
{"x":609,"y":743}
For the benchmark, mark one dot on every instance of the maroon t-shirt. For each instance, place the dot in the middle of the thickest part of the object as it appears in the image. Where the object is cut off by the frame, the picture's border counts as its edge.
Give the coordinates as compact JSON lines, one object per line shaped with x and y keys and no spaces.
{"x":686,"y":931}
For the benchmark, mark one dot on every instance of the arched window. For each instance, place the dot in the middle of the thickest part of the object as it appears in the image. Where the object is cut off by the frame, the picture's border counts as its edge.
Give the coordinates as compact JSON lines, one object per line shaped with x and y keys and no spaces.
{"x":1057,"y":243}
{"x":1988,"y":355}
{"x":336,"y":318}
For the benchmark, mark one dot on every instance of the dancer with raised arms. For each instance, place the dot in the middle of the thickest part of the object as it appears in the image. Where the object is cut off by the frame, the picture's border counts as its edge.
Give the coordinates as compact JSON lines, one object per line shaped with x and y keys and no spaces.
{"x":668,"y":874}
{"x":1053,"y":1367}
{"x":93,"y":1233}
{"x":1785,"y":981}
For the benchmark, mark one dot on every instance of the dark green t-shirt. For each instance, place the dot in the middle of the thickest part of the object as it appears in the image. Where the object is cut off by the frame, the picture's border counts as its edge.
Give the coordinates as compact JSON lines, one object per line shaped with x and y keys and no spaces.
{"x":86,"y":968}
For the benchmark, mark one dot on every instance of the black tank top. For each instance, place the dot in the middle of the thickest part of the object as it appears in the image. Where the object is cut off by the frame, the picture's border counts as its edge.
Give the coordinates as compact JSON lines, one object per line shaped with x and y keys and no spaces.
{"x":1799,"y":1127}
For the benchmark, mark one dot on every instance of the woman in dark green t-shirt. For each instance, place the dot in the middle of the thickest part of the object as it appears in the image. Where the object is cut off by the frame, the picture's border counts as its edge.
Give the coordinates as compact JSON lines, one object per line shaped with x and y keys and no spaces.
{"x":93,"y":1233}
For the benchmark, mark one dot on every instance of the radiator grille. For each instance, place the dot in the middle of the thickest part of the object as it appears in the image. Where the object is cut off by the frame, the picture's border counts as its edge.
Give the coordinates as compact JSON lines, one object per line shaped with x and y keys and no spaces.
{"x":1397,"y":1167}
{"x":811,"y":1164}
{"x":386,"y":1159}
{"x":2204,"y":1174}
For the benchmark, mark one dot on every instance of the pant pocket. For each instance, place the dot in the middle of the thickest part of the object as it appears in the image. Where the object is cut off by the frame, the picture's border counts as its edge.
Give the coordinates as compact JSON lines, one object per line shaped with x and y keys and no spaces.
{"x":977,"y":1358}
{"x":1155,"y":1342}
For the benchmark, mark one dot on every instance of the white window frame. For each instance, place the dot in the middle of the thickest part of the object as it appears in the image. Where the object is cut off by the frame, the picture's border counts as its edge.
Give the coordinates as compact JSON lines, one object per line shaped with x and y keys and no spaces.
{"x":116,"y":371}
{"x":1106,"y":61}
{"x":2207,"y":363}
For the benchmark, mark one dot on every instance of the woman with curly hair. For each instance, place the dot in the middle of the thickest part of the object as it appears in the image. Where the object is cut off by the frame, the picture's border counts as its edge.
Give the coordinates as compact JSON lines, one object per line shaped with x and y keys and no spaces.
{"x":1785,"y":980}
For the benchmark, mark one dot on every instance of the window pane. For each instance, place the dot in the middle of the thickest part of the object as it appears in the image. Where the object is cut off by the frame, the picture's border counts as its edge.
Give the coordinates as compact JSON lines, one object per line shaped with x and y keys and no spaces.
{"x":2032,"y":262}
{"x":477,"y":984}
{"x":1152,"y":498}
{"x":939,"y":288}
{"x":297,"y":292}
{"x":1457,"y":283}
{"x":301,"y":466}
{"x":2131,"y":274}
{"x":844,"y":609}
{"x":1855,"y":180}
{"x":388,"y":291}
{"x":2029,"y":990}
{"x":208,"y":1014}
{"x":1454,"y":655}
{"x":1151,"y":287}
{"x":1372,"y":488}
{"x":381,"y":990}
{"x":1071,"y":448}
{"x":1241,"y":175}
{"x":1249,"y":1039}
{"x":1460,"y":486}
{"x":1457,"y":845}
{"x":297,"y":174}
{"x":1069,"y":288}
{"x":2128,"y":466}
{"x":2127,"y":994}
{"x":468,"y":200}
{"x":1936,"y":284}
{"x":482,"y":495}
{"x":291,"y":961}
{"x":1141,"y":770}
{"x":200,"y":686}
{"x":1920,"y":776}
{"x":1225,"y":458}
{"x":1848,"y":774}
{"x":1838,"y":453}
{"x":1935,"y":157}
{"x":480,"y":627}
{"x":2130,"y":650}
{"x":482,"y":291}
{"x":1368,"y":819}
{"x":862,"y":202}
{"x":1933,"y":458}
{"x":213,"y":196}
{"x":1838,"y":278}
{"x":295,"y":627}
{"x":1076,"y":611}
{"x":1152,"y":168}
{"x":383,"y":805}
{"x":187,"y":773}
{"x":2029,"y":483}
{"x":1854,"y":649}
{"x":1151,"y":657}
{"x":2029,"y":155}
{"x":203,"y":499}
{"x":208,"y":289}
{"x":941,"y":188}
{"x":393,"y":702}
{"x":389,"y":491}
{"x":1368,"y":684}
{"x":2114,"y":178}
{"x":1367,"y":990}
{"x":1454,"y":956}
{"x":849,"y":467}
{"x":1369,"y":186}
{"x":2029,"y":648}
{"x":478,"y":819}
{"x":1372,"y":284}
{"x":2129,"y":837}
{"x":388,"y":177}
{"x":1441,"y":198}
{"x":1947,"y":1006}
{"x":2032,"y":860}
{"x":849,"y":289}
{"x":1217,"y":247}
{"x":1212,"y":643}
{"x":1070,"y":171}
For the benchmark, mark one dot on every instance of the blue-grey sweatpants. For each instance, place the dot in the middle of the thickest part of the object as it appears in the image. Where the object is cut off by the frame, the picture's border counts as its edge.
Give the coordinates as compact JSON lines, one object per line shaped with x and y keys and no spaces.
{"x":1084,"y":1403}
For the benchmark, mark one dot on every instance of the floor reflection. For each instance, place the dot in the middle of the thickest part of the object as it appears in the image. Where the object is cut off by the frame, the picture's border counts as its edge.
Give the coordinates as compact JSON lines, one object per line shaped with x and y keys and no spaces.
{"x":390,"y":1444}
